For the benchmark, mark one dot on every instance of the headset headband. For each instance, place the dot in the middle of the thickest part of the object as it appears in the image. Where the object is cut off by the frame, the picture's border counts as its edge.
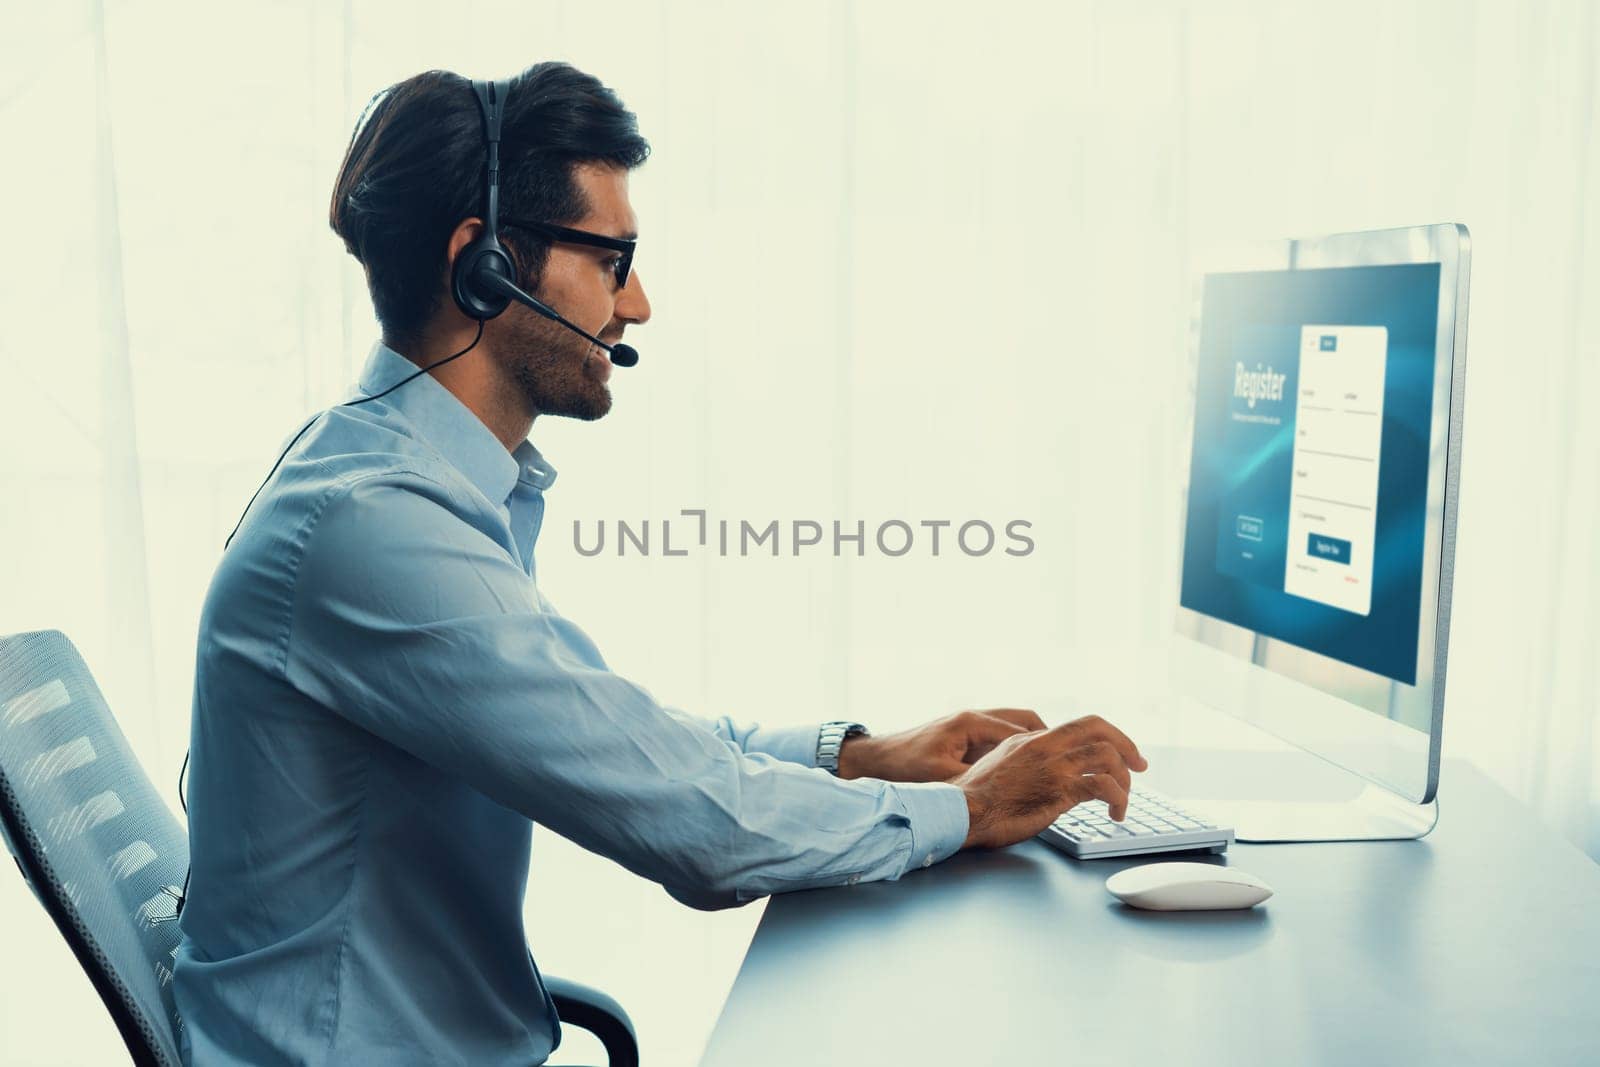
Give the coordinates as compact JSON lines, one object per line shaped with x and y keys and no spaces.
{"x":492,"y":102}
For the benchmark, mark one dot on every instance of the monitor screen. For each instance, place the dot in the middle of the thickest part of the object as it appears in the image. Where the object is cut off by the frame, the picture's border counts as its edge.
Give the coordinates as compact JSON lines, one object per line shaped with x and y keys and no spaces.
{"x":1309,"y":471}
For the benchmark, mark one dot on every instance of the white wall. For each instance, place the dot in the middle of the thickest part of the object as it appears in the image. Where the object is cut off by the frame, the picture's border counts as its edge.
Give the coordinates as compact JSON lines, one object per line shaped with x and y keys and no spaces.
{"x":915,"y":261}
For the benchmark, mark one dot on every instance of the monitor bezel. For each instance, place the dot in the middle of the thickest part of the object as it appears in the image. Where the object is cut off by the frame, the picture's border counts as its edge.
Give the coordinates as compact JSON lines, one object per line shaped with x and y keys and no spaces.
{"x":1375,"y":727}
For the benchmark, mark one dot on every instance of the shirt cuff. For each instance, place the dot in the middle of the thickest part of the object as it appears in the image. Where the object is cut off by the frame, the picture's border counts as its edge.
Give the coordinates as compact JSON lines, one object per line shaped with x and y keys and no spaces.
{"x":938,"y":814}
{"x":792,"y":744}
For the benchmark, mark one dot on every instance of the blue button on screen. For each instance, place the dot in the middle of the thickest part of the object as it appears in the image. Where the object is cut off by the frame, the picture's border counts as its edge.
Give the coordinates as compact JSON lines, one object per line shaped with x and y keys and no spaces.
{"x":1329,"y":548}
{"x":1329,"y":342}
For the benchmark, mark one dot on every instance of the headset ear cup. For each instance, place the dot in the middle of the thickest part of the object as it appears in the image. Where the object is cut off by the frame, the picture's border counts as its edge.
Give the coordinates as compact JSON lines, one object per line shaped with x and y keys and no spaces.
{"x":486,"y":253}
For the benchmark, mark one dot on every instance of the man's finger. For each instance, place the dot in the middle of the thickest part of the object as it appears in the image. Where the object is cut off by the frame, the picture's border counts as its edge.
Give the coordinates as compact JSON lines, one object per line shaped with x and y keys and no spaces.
{"x":990,"y":722}
{"x":984,"y":730}
{"x":1100,"y":757}
{"x":1022,"y":717}
{"x":1108,"y":789}
{"x":942,"y":770}
{"x":1092,"y":728}
{"x":1000,"y":728}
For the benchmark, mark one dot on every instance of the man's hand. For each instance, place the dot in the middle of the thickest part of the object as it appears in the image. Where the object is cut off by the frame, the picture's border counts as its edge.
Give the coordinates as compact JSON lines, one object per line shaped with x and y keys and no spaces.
{"x":1029,"y":779}
{"x":937,"y":751}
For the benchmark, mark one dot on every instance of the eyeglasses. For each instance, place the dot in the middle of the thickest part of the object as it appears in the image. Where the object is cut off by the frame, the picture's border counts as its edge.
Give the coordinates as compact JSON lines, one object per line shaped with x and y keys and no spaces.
{"x":565,"y":235}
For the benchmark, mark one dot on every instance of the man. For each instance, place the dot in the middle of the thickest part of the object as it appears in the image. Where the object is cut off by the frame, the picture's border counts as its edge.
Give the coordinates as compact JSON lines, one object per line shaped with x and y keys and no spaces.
{"x":385,"y":704}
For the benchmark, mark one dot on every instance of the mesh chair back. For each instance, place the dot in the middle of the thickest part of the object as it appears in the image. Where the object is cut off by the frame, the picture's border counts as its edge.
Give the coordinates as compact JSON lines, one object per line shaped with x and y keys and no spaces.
{"x":98,"y":847}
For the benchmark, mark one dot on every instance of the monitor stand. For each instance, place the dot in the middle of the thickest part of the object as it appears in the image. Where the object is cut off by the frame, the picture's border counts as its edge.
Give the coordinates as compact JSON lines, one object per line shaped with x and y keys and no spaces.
{"x":1373,"y":815}
{"x":1286,"y":795}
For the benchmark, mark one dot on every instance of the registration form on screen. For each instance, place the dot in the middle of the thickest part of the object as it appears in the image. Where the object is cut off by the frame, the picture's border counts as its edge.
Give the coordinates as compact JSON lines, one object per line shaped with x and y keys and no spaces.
{"x":1334,"y":495}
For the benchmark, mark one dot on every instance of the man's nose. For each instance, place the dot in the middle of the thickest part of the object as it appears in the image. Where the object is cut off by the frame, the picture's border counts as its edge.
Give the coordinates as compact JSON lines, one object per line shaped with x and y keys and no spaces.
{"x":632,"y":305}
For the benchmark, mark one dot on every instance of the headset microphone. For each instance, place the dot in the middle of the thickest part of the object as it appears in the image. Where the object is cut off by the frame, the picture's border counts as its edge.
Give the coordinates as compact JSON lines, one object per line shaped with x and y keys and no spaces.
{"x":487,"y":278}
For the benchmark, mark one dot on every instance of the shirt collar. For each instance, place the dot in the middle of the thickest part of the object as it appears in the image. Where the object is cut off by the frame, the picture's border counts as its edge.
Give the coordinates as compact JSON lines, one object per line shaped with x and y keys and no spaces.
{"x":453,"y":429}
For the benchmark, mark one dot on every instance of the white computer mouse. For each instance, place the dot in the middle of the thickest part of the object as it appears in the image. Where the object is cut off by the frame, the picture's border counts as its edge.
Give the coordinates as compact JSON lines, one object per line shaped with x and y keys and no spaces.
{"x":1187,"y":887}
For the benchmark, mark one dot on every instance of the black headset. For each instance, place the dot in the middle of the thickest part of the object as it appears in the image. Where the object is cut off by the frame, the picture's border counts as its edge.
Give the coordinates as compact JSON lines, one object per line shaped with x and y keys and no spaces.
{"x":483,"y":279}
{"x":486,"y":255}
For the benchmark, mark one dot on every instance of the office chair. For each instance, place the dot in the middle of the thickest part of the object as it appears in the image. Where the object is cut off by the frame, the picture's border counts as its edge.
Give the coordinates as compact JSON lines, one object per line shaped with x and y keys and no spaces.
{"x":107,"y":858}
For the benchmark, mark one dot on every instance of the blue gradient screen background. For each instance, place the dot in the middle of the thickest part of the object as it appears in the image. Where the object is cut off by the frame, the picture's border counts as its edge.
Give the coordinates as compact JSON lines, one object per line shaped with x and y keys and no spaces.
{"x":1256,"y":317}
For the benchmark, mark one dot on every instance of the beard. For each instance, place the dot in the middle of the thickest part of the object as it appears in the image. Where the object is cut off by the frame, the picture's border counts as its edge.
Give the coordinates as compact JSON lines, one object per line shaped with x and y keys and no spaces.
{"x":553,"y":368}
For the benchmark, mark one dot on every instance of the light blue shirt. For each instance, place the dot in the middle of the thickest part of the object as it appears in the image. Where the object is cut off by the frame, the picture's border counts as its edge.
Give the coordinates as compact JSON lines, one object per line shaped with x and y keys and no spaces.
{"x":384,"y":707}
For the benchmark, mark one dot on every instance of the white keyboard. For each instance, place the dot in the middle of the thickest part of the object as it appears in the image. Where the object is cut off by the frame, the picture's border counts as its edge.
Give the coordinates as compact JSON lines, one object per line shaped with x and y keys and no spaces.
{"x":1154,"y":824}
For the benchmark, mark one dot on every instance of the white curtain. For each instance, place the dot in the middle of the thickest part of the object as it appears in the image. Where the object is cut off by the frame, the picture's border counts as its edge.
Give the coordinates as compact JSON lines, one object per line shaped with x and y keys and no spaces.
{"x":909,"y":261}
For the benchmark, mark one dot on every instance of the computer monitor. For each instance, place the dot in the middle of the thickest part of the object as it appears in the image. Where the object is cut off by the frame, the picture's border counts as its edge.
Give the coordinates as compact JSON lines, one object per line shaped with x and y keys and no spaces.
{"x":1319,"y":513}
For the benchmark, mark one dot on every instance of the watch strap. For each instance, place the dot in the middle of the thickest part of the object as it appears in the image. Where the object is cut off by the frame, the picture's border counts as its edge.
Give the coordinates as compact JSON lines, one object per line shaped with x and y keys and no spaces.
{"x":830,"y":739}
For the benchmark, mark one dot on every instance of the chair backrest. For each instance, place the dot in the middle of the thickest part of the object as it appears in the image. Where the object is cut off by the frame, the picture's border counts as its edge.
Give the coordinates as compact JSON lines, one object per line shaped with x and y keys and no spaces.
{"x":98,"y":847}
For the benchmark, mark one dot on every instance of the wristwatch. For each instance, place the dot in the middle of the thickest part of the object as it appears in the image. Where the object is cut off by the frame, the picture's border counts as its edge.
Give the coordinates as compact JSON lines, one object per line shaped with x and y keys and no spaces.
{"x":831,"y":739}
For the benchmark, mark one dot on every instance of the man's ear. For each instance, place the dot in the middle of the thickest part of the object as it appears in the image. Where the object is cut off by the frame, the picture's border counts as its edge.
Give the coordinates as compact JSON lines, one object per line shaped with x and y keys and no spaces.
{"x":466,"y":231}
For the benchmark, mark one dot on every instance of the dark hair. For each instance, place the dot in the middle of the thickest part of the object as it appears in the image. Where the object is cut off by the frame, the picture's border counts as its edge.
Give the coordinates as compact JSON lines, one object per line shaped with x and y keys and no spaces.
{"x":414,"y":170}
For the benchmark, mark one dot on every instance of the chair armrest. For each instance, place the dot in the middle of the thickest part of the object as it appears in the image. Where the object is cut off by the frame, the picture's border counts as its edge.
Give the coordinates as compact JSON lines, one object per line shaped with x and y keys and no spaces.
{"x":588,"y":1008}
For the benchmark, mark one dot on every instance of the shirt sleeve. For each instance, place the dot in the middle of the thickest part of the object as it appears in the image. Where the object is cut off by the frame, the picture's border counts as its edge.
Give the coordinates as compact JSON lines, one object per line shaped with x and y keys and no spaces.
{"x":792,"y":744}
{"x":419,"y":628}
